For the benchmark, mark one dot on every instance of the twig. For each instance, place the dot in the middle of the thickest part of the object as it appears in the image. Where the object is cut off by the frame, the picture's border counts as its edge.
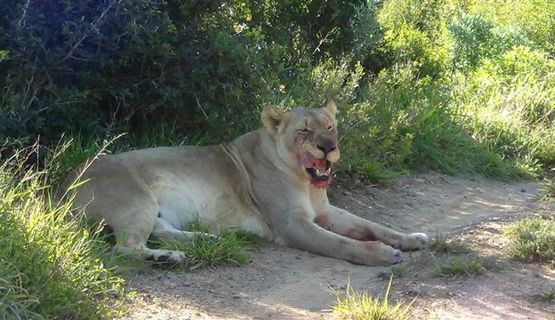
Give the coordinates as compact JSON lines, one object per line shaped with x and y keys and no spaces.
{"x":201,"y":108}
{"x":325,"y":39}
{"x":89,"y":29}
{"x":21,"y":21}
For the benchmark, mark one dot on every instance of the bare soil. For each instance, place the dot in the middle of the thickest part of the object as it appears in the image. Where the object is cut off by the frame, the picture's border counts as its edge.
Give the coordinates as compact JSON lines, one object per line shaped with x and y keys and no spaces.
{"x":284,"y":283}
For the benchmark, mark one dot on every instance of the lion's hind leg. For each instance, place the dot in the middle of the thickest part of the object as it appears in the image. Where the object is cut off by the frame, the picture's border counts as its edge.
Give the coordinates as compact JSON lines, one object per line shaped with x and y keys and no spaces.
{"x":164,"y":231}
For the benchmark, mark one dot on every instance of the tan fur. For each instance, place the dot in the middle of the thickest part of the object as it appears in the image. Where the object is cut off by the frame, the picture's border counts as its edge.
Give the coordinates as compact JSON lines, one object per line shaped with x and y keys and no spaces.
{"x":255,"y":183}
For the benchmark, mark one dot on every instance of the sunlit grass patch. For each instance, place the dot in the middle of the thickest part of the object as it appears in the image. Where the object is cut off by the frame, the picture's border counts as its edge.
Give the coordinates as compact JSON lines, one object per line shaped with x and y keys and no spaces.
{"x":508,"y":108}
{"x":354,"y":305}
{"x":457,"y":266}
{"x":441,"y":244}
{"x":532,"y":239}
{"x":50,"y":265}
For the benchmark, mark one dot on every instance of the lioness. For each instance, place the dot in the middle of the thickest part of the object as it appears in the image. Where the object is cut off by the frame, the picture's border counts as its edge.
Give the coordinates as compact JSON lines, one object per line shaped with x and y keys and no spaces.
{"x":271,"y":181}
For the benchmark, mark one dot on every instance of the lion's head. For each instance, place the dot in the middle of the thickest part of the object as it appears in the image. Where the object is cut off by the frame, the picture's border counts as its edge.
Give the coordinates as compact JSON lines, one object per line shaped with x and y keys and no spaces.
{"x":306,"y":139}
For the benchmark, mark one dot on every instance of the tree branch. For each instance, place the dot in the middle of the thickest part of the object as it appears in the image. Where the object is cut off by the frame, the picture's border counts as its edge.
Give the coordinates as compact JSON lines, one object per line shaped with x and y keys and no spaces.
{"x":21,"y":21}
{"x":92,"y":26}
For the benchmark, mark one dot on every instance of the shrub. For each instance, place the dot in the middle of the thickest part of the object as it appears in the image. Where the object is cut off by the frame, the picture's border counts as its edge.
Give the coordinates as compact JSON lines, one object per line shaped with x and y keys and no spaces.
{"x":91,"y":66}
{"x":534,"y":18}
{"x":413,"y":33}
{"x":475,"y":38}
{"x":419,"y":82}
{"x":508,"y":102}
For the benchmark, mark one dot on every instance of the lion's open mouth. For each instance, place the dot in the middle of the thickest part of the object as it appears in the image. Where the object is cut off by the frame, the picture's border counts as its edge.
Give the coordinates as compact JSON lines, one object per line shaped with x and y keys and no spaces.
{"x":319,"y":170}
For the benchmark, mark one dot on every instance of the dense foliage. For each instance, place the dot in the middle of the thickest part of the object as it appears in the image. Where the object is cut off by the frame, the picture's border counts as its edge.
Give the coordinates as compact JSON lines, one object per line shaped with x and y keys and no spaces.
{"x":452,"y":84}
{"x":88,"y":66}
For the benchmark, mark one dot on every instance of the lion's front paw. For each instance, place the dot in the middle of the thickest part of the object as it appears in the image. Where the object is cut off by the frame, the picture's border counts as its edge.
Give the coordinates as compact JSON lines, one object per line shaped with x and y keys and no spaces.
{"x":395,"y":257}
{"x":388,"y":255}
{"x":414,"y":241}
{"x":166,"y":256}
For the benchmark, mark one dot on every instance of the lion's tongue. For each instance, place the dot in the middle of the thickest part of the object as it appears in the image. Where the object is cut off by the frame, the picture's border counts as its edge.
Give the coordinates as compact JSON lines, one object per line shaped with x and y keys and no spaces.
{"x":310,"y":161}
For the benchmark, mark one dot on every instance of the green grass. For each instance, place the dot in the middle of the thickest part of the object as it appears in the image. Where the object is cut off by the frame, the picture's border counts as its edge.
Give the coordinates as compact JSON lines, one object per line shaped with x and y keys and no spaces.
{"x":50,"y":265}
{"x":457,"y":258}
{"x":546,"y":296}
{"x":354,"y":305}
{"x":395,"y":271}
{"x":228,"y":248}
{"x":532,"y":239}
{"x":548,"y":188}
{"x":441,"y":244}
{"x":457,"y":266}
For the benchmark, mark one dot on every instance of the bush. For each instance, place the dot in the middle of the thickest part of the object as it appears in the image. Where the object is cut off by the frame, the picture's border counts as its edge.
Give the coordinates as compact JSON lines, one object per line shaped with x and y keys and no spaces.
{"x":475,"y":38}
{"x":534,"y":18}
{"x":508,"y":101}
{"x":413,"y":33}
{"x":421,"y":84}
{"x":95,"y":67}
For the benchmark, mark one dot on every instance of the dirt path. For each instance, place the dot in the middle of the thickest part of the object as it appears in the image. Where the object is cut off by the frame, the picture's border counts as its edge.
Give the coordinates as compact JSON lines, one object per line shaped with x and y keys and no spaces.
{"x":283,"y":283}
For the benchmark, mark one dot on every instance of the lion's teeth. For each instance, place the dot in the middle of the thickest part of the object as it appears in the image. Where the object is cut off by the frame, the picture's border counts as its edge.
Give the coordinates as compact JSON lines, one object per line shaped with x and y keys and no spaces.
{"x":323,"y":173}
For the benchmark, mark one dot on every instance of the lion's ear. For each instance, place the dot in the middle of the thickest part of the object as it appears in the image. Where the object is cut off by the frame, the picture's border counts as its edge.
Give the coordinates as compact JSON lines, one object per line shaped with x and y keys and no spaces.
{"x":330,"y":108}
{"x":272,"y":116}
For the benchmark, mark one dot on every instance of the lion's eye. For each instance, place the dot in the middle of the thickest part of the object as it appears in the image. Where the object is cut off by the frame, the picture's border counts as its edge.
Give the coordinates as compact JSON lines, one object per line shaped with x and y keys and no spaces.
{"x":303,"y":131}
{"x":330,"y":128}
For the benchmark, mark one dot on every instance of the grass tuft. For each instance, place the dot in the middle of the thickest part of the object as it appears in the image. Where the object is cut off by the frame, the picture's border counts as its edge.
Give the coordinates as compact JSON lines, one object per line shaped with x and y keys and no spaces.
{"x":456,"y":266}
{"x":548,"y":188}
{"x":440,"y":244}
{"x":547,"y":296}
{"x":532,"y":239}
{"x":229,"y":248}
{"x":396,"y":271}
{"x":361,"y":306}
{"x":50,"y":265}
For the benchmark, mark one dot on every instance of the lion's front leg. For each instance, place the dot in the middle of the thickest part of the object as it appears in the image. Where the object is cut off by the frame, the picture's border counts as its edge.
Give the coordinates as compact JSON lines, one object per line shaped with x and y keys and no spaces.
{"x":349,"y":225}
{"x":304,"y":234}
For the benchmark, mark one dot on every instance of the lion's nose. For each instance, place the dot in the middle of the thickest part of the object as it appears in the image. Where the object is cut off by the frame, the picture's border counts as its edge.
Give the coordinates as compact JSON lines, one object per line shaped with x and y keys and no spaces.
{"x":327,"y":146}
